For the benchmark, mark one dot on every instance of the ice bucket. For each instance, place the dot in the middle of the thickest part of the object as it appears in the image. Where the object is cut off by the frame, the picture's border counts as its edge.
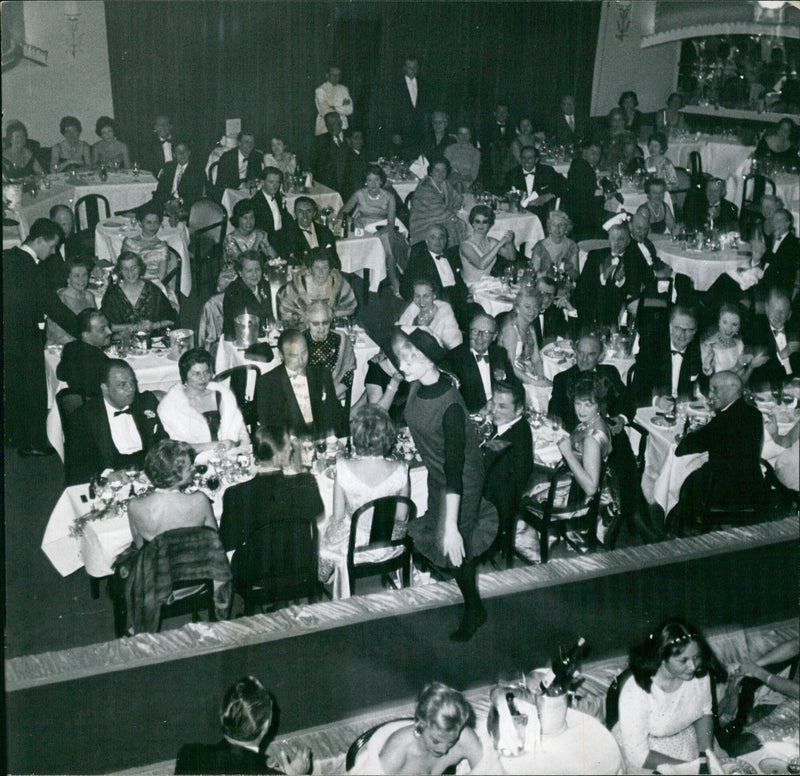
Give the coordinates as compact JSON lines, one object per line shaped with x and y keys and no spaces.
{"x":247,"y":328}
{"x":180,"y":340}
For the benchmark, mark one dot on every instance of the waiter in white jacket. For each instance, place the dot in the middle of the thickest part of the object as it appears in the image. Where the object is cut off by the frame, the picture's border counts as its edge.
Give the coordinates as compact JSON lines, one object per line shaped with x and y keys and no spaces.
{"x":332,"y":96}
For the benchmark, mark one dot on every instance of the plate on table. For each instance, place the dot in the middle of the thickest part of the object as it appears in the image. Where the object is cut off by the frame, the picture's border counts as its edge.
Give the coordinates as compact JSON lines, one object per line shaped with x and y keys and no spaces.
{"x":733,"y":765}
{"x":662,"y":422}
{"x":138,"y":352}
{"x":773,"y":765}
{"x":115,"y":223}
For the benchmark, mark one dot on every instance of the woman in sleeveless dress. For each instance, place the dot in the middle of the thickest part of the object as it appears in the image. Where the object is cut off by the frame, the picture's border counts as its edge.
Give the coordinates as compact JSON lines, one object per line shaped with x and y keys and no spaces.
{"x":368,"y":475}
{"x":556,"y":254}
{"x":72,"y":152}
{"x":480,"y":253}
{"x":458,"y":526}
{"x":372,"y":204}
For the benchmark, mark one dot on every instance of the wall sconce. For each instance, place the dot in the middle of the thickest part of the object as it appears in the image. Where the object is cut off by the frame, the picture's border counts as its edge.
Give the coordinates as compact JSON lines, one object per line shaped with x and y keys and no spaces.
{"x":623,"y":17}
{"x":74,"y":35}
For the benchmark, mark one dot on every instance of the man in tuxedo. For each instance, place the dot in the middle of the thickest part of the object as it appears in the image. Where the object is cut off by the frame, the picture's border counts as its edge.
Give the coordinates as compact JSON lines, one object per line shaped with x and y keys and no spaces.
{"x":70,"y":247}
{"x":180,"y":178}
{"x":302,"y":234}
{"x":668,"y":364}
{"x":298,"y":396}
{"x":359,"y":161}
{"x":586,"y":205}
{"x":775,"y":341}
{"x":405,"y":112}
{"x":238,"y":165}
{"x":160,"y":147}
{"x":557,"y":317}
{"x":114,"y":431}
{"x":782,"y":261}
{"x":540,"y":184}
{"x":508,"y":457}
{"x":496,"y":137}
{"x":732,"y":476}
{"x":566,"y":127}
{"x":83,"y":362}
{"x":268,"y":205}
{"x":27,"y":300}
{"x":712,"y":208}
{"x":430,"y":260}
{"x":603,"y":287}
{"x":332,"y":156}
{"x":480,"y":364}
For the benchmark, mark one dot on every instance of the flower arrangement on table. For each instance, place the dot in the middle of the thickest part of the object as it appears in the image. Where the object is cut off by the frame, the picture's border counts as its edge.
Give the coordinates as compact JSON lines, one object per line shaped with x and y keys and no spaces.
{"x":110,"y":494}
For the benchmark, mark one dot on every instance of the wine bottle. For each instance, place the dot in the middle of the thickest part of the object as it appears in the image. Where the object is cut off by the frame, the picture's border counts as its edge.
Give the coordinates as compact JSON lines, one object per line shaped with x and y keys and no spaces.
{"x":512,"y":707}
{"x":565,"y":667}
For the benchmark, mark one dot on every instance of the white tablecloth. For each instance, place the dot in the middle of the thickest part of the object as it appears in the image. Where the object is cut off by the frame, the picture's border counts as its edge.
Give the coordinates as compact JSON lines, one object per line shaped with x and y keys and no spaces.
{"x":721,"y":156}
{"x":122,"y":190}
{"x":787,"y":188}
{"x":229,"y":356}
{"x":491,"y":294}
{"x":153,"y":373}
{"x":553,"y":365}
{"x":322,"y":195}
{"x":103,"y":540}
{"x":404,"y":188}
{"x":703,"y":267}
{"x":526,"y":226}
{"x":110,"y":234}
{"x":363,"y":253}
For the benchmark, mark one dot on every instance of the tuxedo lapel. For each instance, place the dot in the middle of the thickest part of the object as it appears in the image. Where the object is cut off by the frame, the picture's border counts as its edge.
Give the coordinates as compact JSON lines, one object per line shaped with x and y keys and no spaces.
{"x":101,"y":431}
{"x":292,"y":407}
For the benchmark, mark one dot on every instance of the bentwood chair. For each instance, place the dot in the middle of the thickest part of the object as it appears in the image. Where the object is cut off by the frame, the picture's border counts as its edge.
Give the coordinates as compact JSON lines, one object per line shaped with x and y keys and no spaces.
{"x":207,"y":224}
{"x":242,"y":381}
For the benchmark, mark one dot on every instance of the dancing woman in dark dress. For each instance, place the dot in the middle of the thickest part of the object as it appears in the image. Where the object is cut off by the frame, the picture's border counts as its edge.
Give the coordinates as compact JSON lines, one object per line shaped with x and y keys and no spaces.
{"x":458,"y":526}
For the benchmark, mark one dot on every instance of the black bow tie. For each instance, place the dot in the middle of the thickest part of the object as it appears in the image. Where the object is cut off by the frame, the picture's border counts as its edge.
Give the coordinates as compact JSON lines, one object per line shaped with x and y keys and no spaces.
{"x":529,"y":174}
{"x":678,"y":353}
{"x":126,"y":411}
{"x":305,"y":230}
{"x":482,"y":357}
{"x":776,"y":332}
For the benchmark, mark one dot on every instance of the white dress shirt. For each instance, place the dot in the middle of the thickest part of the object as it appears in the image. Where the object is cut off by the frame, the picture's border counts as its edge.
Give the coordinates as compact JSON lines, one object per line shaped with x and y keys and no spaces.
{"x":124,"y":433}
{"x":570,"y":119}
{"x":411,"y":85}
{"x":485,"y":372}
{"x":780,"y":345}
{"x":299,"y":383}
{"x":530,"y":181}
{"x":311,"y":236}
{"x":501,"y":429}
{"x":179,"y":171}
{"x":444,"y":269}
{"x":645,"y":252}
{"x":677,"y":363}
{"x":242,"y":167}
{"x":276,"y":211}
{"x":166,"y":147}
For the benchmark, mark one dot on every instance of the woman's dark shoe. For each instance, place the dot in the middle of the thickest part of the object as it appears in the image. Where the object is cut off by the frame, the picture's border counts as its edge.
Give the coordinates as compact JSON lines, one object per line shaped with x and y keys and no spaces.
{"x":470,"y":622}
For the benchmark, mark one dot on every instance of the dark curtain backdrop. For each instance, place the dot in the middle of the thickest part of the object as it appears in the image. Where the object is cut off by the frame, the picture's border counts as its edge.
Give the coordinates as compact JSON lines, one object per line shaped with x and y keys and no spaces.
{"x":203,"y":62}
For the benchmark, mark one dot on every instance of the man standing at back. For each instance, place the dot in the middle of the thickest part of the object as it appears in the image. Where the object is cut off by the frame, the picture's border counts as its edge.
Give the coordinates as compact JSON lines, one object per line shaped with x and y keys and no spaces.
{"x":332,"y":156}
{"x":405,"y":112}
{"x":332,"y":96}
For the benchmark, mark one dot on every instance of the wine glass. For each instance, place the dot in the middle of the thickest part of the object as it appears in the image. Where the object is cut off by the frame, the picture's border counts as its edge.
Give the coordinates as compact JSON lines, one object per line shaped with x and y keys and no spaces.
{"x":135,"y":169}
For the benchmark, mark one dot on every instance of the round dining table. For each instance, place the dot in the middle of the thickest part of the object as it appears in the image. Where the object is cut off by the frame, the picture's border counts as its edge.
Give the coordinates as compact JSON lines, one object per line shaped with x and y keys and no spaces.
{"x":559,"y":356}
{"x":526,"y":226}
{"x":721,"y":155}
{"x":702,"y":266}
{"x":322,"y":195}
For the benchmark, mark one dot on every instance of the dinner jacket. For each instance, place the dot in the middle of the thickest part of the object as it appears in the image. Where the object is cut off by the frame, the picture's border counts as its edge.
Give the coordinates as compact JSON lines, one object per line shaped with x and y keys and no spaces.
{"x":228,"y":170}
{"x":556,"y":324}
{"x":598,"y":304}
{"x":562,"y":404}
{"x":465,"y":368}
{"x":82,"y":367}
{"x":421,"y":265}
{"x":191,"y":186}
{"x":732,"y":475}
{"x":641,"y":277}
{"x":403,"y":118}
{"x":696,"y":214}
{"x":292,"y":245}
{"x":88,"y":445}
{"x":495,"y":150}
{"x":782,"y":265}
{"x":154,"y":154}
{"x":564,"y":134}
{"x":653,"y":369}
{"x":545,"y":180}
{"x":222,"y":757}
{"x":508,"y":471}
{"x":238,"y":299}
{"x":263,"y":213}
{"x":27,"y":300}
{"x":332,"y":163}
{"x":277,"y":405}
{"x":583,"y":205}
{"x":760,"y":337}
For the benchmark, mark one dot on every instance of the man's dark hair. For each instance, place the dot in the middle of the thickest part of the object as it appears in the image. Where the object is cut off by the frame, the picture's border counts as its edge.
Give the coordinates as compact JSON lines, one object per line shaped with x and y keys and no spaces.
{"x":85,"y":318}
{"x":45,"y":229}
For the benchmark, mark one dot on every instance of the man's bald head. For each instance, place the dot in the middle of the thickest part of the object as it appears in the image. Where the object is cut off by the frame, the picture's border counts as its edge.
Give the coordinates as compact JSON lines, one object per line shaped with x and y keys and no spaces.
{"x":725,"y":387}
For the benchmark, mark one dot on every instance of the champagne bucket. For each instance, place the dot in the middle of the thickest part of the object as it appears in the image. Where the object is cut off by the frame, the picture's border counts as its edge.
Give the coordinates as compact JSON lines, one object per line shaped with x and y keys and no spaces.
{"x":180,"y":340}
{"x":247,"y":329}
{"x":552,"y":713}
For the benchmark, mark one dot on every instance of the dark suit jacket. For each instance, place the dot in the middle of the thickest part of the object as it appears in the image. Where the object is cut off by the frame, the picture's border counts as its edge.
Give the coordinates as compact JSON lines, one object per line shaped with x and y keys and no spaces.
{"x":598,"y":304}
{"x":583,"y":205}
{"x":238,"y":298}
{"x":696,"y":214}
{"x":402,"y":118}
{"x":331,"y":164}
{"x":89,"y":447}
{"x":228,"y":170}
{"x":222,"y":757}
{"x":290,"y":241}
{"x":263,"y":212}
{"x":154,"y":154}
{"x":277,"y":405}
{"x":545,"y":181}
{"x":654,"y":369}
{"x":465,"y":368}
{"x":494,"y":151}
{"x":508,"y":471}
{"x":733,"y":440}
{"x":563,"y":134}
{"x":782,"y":266}
{"x":562,"y":403}
{"x":53,"y":271}
{"x":421,"y":265}
{"x":190,"y":187}
{"x":556,"y":324}
{"x":759,"y":336}
{"x":81,"y":367}
{"x":434,"y":150}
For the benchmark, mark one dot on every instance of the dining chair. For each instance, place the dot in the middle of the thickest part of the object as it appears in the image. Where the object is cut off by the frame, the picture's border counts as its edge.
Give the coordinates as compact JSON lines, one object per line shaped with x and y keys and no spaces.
{"x":209,"y":329}
{"x":679,"y":194}
{"x":242,"y":382}
{"x":173,"y":269}
{"x":560,"y":506}
{"x":696,"y":165}
{"x":754,"y":187}
{"x":389,"y":546}
{"x":278,"y":563}
{"x":612,"y":698}
{"x":207,"y":225}
{"x":87,"y":213}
